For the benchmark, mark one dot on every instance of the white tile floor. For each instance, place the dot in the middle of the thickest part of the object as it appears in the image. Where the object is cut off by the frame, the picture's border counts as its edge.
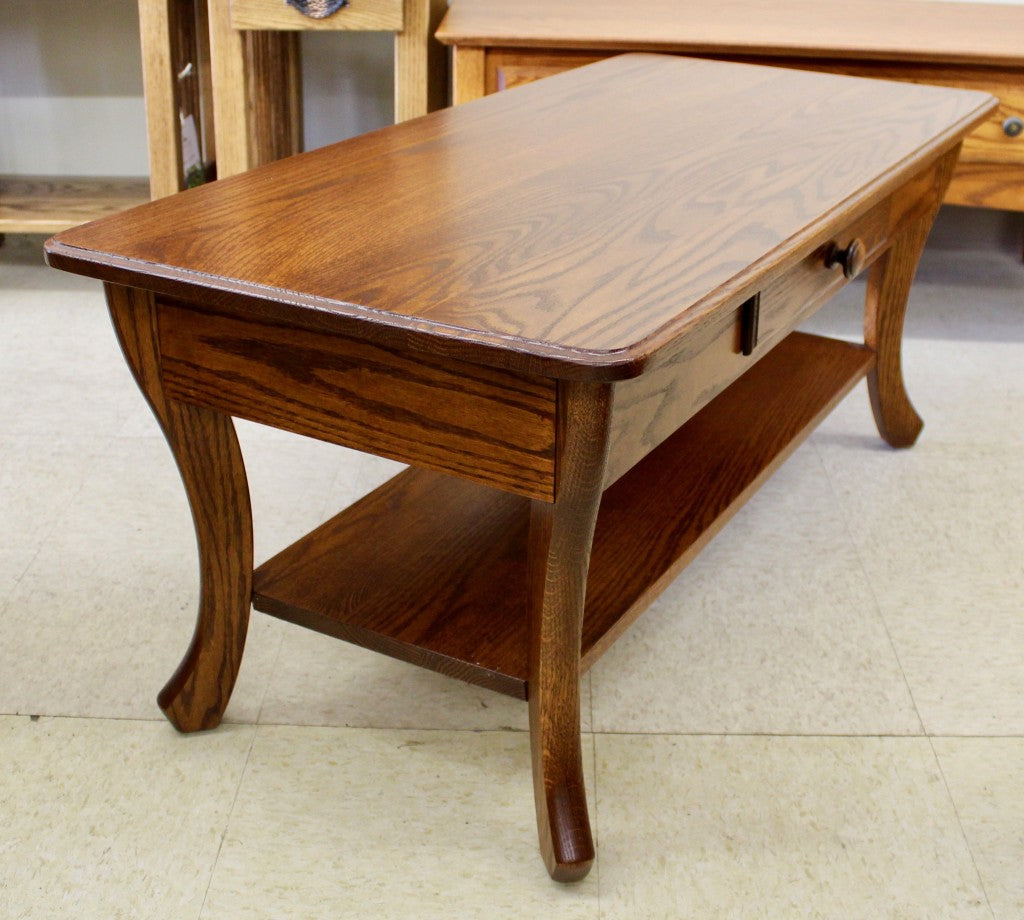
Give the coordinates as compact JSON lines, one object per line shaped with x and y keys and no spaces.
{"x":823,"y":717}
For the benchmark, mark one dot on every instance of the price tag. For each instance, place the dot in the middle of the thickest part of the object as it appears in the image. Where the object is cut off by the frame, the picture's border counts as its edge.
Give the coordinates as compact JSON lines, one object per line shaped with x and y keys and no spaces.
{"x":191,"y":158}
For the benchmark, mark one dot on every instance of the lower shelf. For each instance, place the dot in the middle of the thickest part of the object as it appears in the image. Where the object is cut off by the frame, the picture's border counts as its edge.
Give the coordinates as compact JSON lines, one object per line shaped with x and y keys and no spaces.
{"x":432,"y":570}
{"x":49,"y":204}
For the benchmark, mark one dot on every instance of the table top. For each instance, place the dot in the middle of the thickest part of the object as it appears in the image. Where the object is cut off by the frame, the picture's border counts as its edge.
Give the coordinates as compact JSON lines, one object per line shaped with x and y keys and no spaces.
{"x":573,"y":227}
{"x":903,"y":30}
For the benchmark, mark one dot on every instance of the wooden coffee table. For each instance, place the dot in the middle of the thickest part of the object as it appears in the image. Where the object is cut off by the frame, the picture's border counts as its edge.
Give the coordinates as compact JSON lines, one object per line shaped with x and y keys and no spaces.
{"x":570,"y":309}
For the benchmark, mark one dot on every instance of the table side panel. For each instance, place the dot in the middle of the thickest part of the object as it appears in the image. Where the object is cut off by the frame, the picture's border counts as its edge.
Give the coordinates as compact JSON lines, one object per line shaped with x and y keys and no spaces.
{"x":479,"y":423}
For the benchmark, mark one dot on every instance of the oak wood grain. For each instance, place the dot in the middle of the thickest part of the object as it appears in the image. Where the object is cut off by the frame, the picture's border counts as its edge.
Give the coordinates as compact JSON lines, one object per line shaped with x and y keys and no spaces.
{"x":428,"y":569}
{"x":557,"y":563}
{"x":580,"y":255}
{"x":977,"y":33}
{"x":984,"y":185}
{"x":158,"y":27}
{"x":884,"y":311}
{"x":206,"y":450}
{"x":421,"y":62}
{"x":468,"y":77}
{"x":49,"y":204}
{"x":481,"y":423}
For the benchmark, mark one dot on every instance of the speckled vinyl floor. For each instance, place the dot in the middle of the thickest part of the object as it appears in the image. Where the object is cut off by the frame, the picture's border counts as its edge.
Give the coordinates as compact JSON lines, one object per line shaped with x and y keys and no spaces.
{"x":822,"y":717}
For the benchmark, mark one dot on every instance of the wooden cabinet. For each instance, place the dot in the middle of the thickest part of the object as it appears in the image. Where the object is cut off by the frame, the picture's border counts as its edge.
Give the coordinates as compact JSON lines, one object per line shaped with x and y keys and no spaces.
{"x":969,"y":45}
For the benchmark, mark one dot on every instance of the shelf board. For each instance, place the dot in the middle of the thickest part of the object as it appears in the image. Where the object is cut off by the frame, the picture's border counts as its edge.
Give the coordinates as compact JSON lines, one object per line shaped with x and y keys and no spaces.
{"x":431,"y":569}
{"x":50,"y":204}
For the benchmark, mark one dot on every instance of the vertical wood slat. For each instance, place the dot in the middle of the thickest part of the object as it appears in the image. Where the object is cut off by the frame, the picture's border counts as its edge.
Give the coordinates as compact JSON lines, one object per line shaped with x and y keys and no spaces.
{"x":158,"y":36}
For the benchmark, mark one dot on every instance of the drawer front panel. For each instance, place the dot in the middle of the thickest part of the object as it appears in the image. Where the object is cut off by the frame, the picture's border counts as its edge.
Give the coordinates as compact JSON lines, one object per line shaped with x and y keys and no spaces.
{"x":358,"y":15}
{"x":649,"y":409}
{"x":483,"y":424}
{"x":508,"y":69}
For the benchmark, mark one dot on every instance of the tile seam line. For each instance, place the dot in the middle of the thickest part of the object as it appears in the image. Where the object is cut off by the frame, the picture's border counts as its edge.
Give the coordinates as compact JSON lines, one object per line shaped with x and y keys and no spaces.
{"x":227,"y":821}
{"x":960,"y":824}
{"x":1016,"y":736}
{"x":870,"y":583}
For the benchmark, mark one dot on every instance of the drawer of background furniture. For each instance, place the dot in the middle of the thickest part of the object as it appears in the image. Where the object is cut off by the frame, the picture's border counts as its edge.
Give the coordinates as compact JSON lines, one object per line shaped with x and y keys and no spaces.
{"x":509,"y":67}
{"x":357,"y":15}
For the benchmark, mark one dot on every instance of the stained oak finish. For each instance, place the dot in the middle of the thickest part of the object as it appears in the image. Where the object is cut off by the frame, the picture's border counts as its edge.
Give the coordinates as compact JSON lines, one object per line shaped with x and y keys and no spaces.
{"x":49,"y":204}
{"x":490,"y":426}
{"x":468,"y":251}
{"x":969,"y":45}
{"x":563,"y":333}
{"x":207,"y":453}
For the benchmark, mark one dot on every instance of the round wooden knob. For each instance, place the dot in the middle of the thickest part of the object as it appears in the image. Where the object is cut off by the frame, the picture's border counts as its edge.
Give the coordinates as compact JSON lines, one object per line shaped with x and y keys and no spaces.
{"x":1013,"y":126}
{"x":851,"y":259}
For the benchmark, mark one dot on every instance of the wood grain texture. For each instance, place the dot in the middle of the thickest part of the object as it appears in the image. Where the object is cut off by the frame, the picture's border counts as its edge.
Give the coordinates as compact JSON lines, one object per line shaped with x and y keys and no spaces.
{"x":580,"y":255}
{"x":884,"y":311}
{"x":483,"y":424}
{"x":207,"y":453}
{"x":988,"y":143}
{"x":231,"y":80}
{"x":650,"y":408}
{"x":977,"y":33}
{"x":468,"y":79}
{"x":557,"y":563}
{"x":50,"y":204}
{"x":984,"y":185}
{"x":421,"y":62}
{"x":358,"y":15}
{"x":157,"y":28}
{"x":427,"y":568}
{"x":274,"y":95}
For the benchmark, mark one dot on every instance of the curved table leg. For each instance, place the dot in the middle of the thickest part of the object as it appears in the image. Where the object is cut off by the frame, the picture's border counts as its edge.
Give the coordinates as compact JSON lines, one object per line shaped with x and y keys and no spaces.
{"x":207,"y":453}
{"x":559,"y":555}
{"x":885,"y":310}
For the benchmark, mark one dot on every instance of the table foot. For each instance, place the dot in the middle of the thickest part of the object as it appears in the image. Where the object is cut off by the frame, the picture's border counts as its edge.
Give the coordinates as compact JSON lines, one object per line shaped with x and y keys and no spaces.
{"x":208,"y":456}
{"x":561,"y":535}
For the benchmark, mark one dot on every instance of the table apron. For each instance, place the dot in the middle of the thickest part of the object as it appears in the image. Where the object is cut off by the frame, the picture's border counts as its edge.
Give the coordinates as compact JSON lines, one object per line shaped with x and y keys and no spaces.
{"x":480,"y":423}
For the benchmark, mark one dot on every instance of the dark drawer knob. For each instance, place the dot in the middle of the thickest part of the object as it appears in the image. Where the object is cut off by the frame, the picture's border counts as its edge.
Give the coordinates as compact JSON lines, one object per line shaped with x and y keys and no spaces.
{"x":1013,"y":127}
{"x":850,"y":259}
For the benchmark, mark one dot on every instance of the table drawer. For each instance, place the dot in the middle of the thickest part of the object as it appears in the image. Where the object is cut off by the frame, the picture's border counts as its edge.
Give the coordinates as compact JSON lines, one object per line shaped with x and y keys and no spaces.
{"x":650,"y":408}
{"x":358,"y":15}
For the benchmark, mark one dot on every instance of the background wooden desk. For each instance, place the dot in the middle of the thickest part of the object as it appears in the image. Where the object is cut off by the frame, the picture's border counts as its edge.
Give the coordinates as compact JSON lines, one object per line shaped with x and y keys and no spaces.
{"x":971,"y":45}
